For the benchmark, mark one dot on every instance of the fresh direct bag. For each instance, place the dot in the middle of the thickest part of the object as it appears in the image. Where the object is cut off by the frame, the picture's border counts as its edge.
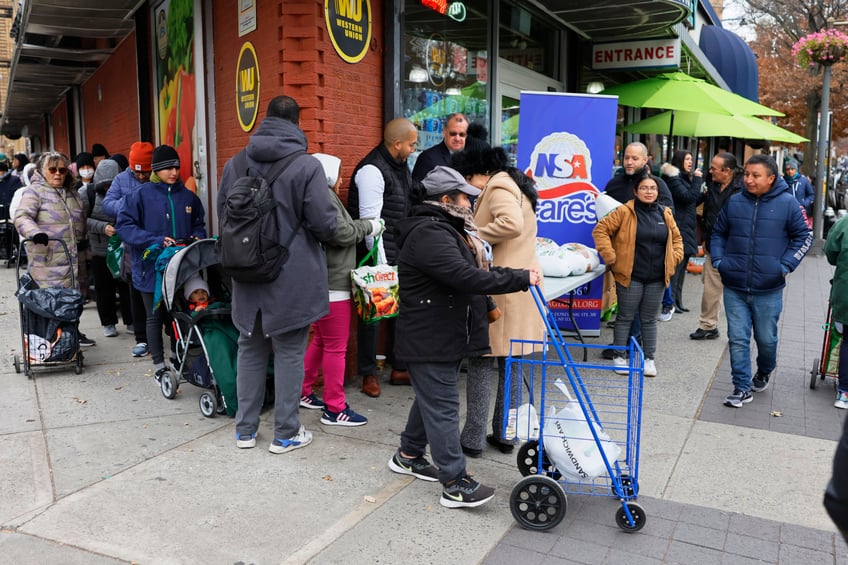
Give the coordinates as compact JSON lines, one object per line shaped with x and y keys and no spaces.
{"x":570,"y":445}
{"x":375,"y":288}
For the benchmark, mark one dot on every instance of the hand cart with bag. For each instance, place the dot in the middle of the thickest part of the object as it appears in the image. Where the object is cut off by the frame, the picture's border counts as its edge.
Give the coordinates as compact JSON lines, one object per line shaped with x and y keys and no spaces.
{"x":586,"y":438}
{"x":49,"y":321}
{"x":828,"y":364}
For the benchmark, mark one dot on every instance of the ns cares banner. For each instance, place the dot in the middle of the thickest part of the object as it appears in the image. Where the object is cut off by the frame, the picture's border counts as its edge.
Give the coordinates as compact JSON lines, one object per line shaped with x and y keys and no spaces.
{"x":566,"y":142}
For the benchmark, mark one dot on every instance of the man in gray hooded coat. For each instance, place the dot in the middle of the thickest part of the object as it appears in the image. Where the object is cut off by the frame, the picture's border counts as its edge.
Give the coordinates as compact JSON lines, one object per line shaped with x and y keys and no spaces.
{"x":277,"y":315}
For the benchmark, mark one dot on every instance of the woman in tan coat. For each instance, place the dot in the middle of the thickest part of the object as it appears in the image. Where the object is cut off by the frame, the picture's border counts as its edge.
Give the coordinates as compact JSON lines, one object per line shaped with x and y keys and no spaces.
{"x":505,"y":214}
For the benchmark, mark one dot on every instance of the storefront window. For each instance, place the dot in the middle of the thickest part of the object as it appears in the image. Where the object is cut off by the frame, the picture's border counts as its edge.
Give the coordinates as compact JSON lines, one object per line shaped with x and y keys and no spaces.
{"x":528,"y":40}
{"x":445,"y":66}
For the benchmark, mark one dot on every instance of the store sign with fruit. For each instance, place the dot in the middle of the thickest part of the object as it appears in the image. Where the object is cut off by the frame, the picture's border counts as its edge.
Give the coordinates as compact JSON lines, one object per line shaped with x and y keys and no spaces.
{"x":349,"y":27}
{"x":175,"y":81}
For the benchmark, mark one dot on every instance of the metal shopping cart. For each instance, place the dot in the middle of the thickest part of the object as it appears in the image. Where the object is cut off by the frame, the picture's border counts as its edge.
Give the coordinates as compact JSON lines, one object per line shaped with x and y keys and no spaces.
{"x":588,"y":444}
{"x":828,"y":364}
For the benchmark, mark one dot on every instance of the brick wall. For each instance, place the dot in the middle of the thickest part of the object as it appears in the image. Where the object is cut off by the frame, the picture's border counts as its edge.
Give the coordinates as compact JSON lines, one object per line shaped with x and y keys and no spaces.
{"x":341,"y":103}
{"x":113,"y":120}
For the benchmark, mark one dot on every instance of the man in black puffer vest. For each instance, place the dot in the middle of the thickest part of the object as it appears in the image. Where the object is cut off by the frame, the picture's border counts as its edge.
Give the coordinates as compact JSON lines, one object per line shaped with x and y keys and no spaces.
{"x":381,"y":187}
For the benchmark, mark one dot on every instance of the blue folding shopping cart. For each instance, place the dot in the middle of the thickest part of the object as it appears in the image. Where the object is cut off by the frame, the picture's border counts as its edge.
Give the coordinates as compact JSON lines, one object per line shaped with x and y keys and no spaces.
{"x":593,"y":450}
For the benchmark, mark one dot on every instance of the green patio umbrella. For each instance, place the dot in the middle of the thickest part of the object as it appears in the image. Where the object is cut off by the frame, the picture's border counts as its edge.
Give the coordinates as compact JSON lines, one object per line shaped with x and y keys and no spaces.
{"x":679,"y":91}
{"x":701,"y":124}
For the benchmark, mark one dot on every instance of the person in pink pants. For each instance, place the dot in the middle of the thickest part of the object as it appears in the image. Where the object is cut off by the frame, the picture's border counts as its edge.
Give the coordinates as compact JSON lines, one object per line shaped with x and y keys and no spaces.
{"x":326,"y":351}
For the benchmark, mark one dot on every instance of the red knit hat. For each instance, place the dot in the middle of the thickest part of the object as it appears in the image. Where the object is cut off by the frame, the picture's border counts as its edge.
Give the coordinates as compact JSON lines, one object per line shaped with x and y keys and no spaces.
{"x":141,"y":156}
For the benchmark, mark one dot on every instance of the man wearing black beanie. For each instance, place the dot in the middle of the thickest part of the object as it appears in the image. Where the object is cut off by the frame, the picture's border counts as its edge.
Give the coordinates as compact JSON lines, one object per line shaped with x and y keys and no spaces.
{"x":157,"y":215}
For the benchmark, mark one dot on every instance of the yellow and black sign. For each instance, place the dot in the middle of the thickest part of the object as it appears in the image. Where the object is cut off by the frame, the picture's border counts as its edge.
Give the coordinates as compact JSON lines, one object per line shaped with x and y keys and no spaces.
{"x":349,"y":26}
{"x":247,"y":87}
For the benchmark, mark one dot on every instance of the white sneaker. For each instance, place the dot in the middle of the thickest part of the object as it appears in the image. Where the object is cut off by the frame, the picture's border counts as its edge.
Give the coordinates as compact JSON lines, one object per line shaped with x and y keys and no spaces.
{"x":246,"y":441}
{"x":110,"y":331}
{"x":666,"y":314}
{"x":301,"y":439}
{"x":650,"y":368}
{"x":841,"y":400}
{"x":621,"y":366}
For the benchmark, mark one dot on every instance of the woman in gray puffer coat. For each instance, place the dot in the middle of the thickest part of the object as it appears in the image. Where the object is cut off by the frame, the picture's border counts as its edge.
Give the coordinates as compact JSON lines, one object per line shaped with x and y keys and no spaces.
{"x":52,"y":209}
{"x":684,"y":182}
{"x":101,"y":227}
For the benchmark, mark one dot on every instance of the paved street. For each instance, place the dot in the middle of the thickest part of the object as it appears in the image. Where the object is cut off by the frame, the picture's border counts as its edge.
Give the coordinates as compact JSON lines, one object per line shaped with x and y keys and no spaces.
{"x":101,"y":468}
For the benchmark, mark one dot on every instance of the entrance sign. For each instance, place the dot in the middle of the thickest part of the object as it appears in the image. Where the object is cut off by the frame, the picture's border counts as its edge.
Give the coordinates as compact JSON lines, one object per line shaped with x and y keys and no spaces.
{"x":566,"y":142}
{"x":349,"y":27}
{"x":650,"y":54}
{"x":247,"y":86}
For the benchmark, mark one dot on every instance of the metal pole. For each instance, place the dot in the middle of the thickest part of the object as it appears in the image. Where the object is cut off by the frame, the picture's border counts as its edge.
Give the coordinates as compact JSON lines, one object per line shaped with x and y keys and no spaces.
{"x":821,"y":156}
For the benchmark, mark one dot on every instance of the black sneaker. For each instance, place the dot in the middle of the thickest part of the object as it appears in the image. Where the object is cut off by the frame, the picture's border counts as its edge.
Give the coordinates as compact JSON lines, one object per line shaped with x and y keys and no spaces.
{"x":161,"y":373}
{"x":86,"y":341}
{"x":418,"y":467}
{"x":738,"y":398}
{"x":704,"y":334}
{"x":760,"y":381}
{"x":466,"y":493}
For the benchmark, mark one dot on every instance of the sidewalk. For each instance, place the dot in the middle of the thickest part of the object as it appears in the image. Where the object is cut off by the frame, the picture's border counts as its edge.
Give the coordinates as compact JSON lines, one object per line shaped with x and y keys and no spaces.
{"x":100,"y":468}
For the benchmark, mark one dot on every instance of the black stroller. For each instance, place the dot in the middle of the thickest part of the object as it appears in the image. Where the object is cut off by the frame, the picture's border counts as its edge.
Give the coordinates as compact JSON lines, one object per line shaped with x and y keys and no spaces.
{"x":49,"y":322}
{"x":206,"y":341}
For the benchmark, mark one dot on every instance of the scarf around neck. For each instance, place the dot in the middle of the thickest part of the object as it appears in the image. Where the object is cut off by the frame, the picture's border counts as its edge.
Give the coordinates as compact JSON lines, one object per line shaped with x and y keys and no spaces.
{"x":480,"y":248}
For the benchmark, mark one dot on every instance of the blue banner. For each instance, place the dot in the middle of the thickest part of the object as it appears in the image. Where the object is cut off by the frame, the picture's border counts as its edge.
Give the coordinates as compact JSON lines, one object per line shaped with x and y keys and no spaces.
{"x":566,"y":142}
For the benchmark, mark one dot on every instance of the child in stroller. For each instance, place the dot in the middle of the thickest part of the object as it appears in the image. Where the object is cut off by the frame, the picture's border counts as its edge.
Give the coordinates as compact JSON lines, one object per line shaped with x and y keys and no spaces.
{"x":206,"y":340}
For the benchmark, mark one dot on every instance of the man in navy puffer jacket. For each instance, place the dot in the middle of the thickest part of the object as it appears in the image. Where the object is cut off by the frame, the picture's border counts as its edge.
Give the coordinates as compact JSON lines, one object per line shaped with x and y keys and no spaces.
{"x":760,"y":236}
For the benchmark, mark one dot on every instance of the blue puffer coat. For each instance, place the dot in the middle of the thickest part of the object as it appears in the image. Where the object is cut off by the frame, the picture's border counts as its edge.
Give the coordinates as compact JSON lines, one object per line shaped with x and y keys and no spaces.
{"x":148,"y":215}
{"x":757,"y":241}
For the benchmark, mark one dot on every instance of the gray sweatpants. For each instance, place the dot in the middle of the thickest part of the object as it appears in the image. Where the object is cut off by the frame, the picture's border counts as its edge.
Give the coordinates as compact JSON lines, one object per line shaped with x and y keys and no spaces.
{"x":434,"y":417}
{"x":252,"y":366}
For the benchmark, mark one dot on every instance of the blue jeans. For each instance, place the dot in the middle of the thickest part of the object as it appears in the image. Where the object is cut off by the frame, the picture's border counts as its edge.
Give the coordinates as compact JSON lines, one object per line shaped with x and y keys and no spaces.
{"x":744,"y":311}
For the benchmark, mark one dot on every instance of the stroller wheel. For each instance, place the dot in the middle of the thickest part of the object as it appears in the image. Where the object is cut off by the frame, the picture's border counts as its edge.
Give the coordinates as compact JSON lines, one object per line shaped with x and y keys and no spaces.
{"x":16,"y":361}
{"x":222,"y":408}
{"x":169,"y":385}
{"x":538,"y":503}
{"x":208,"y":404}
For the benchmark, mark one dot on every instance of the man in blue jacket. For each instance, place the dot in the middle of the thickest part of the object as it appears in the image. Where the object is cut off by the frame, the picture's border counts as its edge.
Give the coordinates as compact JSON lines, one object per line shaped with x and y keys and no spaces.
{"x":760,"y":236}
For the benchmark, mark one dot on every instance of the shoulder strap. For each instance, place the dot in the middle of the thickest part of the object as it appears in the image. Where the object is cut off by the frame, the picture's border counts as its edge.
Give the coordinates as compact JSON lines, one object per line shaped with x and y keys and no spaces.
{"x":92,"y":195}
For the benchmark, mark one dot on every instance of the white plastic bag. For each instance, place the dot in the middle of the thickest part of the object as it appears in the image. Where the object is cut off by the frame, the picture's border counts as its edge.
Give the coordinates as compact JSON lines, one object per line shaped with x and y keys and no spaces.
{"x":570,"y":445}
{"x":527,"y":422}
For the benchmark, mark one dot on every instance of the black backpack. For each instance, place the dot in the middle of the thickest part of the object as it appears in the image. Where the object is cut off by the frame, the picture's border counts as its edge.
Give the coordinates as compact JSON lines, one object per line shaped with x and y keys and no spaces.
{"x":248,"y":246}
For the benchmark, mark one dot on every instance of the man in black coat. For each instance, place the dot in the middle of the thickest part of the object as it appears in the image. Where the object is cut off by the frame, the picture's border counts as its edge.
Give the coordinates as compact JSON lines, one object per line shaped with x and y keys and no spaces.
{"x":442,"y":320}
{"x":454,"y":132}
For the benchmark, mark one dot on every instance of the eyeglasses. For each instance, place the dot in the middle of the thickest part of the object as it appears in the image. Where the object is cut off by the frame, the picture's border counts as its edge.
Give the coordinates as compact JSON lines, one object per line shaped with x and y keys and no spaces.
{"x":457,"y":133}
{"x":60,"y":170}
{"x":648,"y":188}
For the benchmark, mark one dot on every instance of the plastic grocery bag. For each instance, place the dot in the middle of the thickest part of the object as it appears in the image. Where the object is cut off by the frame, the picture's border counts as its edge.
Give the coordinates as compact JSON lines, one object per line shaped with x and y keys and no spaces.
{"x":114,"y":255}
{"x":832,"y":365}
{"x":569,"y":443}
{"x":527,"y":422}
{"x":375,"y":289}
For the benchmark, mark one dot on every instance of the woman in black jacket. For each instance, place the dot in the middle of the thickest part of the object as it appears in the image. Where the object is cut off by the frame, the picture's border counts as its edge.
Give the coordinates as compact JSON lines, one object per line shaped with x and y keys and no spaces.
{"x":684,"y":181}
{"x":442,"y":320}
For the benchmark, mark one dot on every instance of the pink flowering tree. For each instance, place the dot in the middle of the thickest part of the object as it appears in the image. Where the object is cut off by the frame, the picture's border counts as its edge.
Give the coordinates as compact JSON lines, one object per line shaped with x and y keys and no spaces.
{"x":825,"y":47}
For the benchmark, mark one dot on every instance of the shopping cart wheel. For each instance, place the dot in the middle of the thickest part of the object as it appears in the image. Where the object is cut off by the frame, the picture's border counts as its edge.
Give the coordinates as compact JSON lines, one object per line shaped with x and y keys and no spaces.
{"x":528,"y":456}
{"x":16,"y":361}
{"x":78,"y":365}
{"x":208,"y":404}
{"x":638,"y":514}
{"x":814,"y":374}
{"x":538,"y":503}
{"x":626,"y":486}
{"x":169,"y":385}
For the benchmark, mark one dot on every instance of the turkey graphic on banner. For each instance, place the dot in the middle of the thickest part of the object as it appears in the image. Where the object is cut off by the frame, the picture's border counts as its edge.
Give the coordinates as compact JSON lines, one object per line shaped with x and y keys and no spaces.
{"x":566,"y":142}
